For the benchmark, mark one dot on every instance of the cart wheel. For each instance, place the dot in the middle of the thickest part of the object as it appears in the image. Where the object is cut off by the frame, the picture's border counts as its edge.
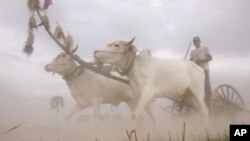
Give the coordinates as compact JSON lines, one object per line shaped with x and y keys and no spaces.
{"x":229,"y":95}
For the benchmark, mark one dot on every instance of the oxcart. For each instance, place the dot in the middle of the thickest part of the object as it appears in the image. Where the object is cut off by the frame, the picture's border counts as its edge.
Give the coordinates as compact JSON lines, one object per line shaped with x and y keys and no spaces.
{"x":223,"y":96}
{"x":224,"y":99}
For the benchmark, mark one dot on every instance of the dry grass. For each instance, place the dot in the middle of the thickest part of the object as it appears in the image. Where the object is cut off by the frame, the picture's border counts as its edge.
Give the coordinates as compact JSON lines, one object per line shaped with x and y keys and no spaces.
{"x":171,"y":129}
{"x":133,"y":137}
{"x":12,"y":129}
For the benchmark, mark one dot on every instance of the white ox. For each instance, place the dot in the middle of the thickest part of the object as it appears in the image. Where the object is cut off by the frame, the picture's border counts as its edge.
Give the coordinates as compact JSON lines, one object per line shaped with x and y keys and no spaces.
{"x":154,"y":77}
{"x":90,"y":89}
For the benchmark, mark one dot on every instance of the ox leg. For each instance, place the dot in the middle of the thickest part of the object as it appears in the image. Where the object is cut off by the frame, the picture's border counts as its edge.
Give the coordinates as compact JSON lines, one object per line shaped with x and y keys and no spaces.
{"x":197,"y":101}
{"x":150,"y":109}
{"x":146,"y":96}
{"x":202,"y":104}
{"x":77,"y":108}
{"x":96,"y":113}
{"x":203,"y":107}
{"x":131,"y":104}
{"x":190,"y":99}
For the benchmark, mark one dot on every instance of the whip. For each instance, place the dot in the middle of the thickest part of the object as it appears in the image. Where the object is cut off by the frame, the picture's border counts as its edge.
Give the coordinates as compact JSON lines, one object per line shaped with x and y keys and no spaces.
{"x":188,"y":50}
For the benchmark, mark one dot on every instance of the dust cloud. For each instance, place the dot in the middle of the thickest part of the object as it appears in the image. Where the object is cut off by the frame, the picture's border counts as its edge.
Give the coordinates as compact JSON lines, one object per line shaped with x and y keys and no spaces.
{"x":168,"y":127}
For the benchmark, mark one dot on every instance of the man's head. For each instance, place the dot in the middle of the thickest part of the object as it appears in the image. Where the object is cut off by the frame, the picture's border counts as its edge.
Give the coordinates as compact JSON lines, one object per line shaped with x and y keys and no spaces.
{"x":196,"y":41}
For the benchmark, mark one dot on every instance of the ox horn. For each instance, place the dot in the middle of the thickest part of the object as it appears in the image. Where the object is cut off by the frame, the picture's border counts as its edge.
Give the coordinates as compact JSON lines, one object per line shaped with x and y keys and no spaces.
{"x":131,"y":41}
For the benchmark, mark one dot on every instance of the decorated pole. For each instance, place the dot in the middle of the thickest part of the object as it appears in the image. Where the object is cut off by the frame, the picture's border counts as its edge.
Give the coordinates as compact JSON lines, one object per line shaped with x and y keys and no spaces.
{"x":33,"y":6}
{"x":79,"y":60}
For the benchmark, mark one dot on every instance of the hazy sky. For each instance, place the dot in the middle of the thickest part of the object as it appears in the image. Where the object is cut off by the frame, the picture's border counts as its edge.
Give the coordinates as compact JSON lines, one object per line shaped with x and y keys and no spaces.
{"x":164,"y":26}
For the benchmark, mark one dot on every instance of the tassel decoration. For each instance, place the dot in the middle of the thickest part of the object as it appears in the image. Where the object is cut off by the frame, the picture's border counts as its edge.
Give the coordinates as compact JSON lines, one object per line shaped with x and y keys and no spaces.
{"x":59,"y":34}
{"x":33,"y":5}
{"x":45,"y":21}
{"x":32,"y":24}
{"x":68,"y":42}
{"x":46,"y":4}
{"x":28,"y":48}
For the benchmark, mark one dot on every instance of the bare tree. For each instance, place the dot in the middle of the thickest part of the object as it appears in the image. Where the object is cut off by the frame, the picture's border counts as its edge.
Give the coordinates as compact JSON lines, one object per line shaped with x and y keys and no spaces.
{"x":57,"y":103}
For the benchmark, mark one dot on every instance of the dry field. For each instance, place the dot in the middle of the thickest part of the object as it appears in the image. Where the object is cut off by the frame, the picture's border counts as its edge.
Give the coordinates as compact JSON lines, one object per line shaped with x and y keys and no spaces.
{"x":191,"y":128}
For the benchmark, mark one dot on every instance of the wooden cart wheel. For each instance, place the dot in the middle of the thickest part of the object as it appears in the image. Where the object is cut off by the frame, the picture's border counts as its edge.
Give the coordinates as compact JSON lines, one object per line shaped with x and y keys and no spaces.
{"x":229,"y":95}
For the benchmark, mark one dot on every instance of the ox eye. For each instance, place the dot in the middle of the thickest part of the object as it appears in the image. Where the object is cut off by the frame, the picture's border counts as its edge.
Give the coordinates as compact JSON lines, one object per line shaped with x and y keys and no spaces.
{"x":116,"y":45}
{"x":64,"y":55}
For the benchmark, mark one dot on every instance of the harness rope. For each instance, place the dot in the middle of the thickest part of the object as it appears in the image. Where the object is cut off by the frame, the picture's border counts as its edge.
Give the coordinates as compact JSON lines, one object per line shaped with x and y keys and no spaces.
{"x":72,"y":73}
{"x":130,"y":61}
{"x":75,"y":73}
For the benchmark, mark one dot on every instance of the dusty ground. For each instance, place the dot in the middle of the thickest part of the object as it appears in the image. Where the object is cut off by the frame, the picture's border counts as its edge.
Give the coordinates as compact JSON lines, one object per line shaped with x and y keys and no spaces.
{"x":172,"y":127}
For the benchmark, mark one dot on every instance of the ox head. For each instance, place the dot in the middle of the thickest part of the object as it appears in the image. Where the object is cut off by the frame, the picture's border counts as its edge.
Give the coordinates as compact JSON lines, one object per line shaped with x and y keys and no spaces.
{"x":62,"y":64}
{"x":116,"y":53}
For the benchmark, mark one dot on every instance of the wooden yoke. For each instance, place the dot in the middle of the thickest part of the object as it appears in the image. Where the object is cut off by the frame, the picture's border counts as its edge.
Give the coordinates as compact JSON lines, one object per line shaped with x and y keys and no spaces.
{"x":79,"y":60}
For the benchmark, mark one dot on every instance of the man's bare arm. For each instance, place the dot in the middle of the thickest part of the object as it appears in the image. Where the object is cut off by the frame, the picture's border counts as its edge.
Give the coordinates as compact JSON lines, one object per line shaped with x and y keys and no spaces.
{"x":208,"y":58}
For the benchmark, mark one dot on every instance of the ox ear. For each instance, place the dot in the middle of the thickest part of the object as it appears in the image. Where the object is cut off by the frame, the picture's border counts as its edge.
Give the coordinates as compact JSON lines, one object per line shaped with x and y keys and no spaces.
{"x":131,"y":41}
{"x":75,"y":49}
